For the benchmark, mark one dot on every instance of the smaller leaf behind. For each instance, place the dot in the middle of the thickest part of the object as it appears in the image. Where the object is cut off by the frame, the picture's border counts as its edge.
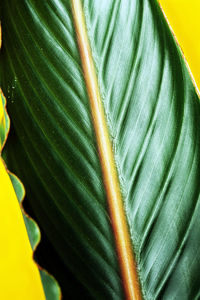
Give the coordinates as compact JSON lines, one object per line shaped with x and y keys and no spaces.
{"x":49,"y":286}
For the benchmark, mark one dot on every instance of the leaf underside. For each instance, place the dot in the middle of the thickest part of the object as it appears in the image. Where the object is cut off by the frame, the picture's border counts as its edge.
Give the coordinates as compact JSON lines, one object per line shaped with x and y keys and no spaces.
{"x":153,"y":115}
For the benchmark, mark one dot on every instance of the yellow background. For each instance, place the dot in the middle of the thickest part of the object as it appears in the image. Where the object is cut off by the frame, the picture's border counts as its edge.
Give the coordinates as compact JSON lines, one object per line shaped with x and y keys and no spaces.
{"x":184,"y":18}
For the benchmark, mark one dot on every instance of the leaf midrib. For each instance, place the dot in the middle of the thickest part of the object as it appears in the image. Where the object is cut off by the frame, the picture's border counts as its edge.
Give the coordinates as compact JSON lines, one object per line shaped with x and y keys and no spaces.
{"x":109,"y":171}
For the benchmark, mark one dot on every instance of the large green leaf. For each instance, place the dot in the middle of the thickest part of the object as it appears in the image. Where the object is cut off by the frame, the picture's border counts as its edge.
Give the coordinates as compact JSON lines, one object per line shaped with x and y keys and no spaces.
{"x":153,"y":115}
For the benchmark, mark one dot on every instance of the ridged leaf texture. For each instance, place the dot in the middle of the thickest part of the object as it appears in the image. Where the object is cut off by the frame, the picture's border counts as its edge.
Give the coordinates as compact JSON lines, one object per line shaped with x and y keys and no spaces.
{"x":49,"y":285}
{"x":153,"y":116}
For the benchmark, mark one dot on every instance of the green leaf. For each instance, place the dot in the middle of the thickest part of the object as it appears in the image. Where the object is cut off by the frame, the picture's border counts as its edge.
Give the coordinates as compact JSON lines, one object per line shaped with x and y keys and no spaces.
{"x":4,"y":121}
{"x":153,"y":116}
{"x":50,"y":286}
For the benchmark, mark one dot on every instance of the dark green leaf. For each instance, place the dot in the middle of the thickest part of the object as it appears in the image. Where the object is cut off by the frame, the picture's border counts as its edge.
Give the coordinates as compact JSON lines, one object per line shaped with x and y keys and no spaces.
{"x":50,"y":286}
{"x":153,"y":115}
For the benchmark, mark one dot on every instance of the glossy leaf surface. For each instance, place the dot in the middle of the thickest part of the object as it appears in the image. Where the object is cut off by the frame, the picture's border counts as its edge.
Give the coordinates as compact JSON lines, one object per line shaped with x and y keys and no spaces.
{"x":153,"y":116}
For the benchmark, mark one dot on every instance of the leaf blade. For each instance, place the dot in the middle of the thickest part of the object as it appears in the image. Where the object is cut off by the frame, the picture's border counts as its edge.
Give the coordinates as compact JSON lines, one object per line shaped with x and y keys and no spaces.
{"x":158,"y":121}
{"x":151,"y":128}
{"x":94,"y":197}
